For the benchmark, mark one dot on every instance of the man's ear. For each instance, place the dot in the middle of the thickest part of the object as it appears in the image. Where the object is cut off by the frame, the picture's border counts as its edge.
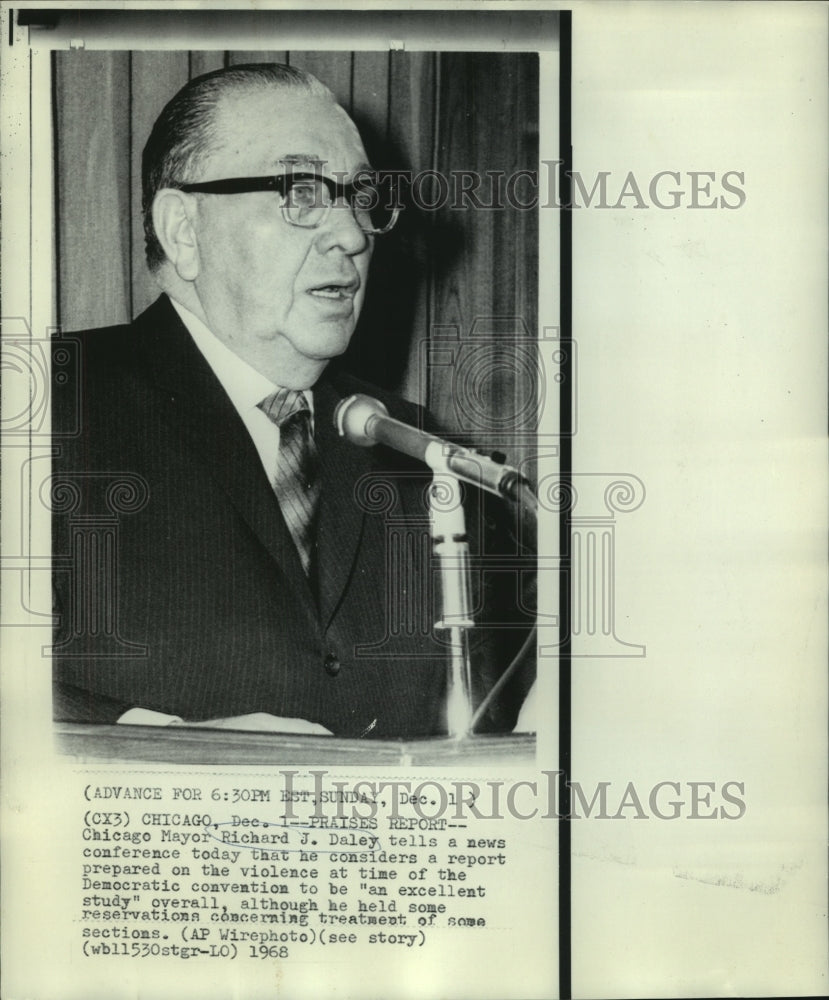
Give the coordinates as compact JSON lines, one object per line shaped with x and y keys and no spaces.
{"x":172,"y":217}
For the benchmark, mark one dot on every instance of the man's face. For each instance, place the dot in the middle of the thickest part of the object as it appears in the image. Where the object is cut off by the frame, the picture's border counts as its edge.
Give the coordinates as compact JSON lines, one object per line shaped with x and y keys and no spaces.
{"x":278,"y":295}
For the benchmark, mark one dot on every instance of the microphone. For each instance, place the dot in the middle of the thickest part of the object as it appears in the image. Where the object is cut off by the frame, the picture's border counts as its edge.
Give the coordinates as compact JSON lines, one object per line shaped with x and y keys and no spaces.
{"x":365,"y":421}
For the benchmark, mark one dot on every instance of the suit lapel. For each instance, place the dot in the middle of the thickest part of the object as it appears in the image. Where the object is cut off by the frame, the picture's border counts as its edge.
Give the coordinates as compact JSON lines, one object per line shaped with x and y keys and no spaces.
{"x":341,"y":517}
{"x":203,"y":415}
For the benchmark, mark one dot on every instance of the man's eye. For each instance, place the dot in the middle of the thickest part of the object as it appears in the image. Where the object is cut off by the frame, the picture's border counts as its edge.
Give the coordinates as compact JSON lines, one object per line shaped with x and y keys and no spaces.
{"x":306,"y":195}
{"x":365,"y":199}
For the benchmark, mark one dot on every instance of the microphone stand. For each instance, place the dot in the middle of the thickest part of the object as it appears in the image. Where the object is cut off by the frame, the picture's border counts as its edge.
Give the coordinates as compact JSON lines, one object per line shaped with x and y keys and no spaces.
{"x":450,"y":545}
{"x":365,"y":421}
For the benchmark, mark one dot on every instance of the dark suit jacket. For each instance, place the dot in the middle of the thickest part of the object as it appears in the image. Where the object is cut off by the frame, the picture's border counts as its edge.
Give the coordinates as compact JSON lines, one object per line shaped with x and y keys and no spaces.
{"x":178,"y":587}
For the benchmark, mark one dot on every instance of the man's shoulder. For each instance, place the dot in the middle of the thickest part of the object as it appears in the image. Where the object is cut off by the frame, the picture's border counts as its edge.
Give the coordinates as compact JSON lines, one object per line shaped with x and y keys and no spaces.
{"x":101,"y":348}
{"x":120,"y":340}
{"x":106,"y":377}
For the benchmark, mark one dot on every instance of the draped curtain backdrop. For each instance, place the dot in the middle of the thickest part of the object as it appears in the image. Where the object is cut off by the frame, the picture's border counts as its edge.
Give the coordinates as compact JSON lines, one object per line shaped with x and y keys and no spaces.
{"x":451,"y":312}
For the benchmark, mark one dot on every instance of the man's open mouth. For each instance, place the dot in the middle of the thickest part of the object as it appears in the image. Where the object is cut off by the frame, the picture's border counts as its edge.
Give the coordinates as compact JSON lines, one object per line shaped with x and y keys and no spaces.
{"x":336,"y":291}
{"x":333,"y":292}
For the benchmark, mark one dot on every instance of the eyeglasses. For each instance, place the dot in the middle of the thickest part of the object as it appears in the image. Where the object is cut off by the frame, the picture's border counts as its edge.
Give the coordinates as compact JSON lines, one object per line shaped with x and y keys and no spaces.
{"x":307,"y":199}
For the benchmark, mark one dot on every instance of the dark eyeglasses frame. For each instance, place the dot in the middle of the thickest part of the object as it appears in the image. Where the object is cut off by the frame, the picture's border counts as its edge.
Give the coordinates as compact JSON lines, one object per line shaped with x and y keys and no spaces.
{"x":281,"y":183}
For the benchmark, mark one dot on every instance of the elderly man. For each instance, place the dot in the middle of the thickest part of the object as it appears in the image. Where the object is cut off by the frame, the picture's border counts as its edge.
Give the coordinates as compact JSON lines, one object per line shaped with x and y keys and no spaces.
{"x":252,"y":579}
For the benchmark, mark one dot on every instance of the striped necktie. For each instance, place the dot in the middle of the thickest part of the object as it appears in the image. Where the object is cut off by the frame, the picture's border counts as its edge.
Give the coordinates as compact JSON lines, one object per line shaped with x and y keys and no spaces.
{"x":296,"y":486}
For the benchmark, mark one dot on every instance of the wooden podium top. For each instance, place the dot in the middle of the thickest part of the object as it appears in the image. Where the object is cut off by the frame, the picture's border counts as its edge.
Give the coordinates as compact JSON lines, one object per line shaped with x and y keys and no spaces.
{"x":182,"y":745}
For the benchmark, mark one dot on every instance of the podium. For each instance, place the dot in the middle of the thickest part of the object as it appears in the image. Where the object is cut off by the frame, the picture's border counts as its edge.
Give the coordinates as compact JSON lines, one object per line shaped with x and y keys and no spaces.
{"x":198,"y":746}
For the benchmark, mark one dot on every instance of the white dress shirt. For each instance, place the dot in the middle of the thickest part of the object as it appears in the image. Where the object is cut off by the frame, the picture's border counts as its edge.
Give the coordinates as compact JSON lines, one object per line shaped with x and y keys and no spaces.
{"x":245,"y":386}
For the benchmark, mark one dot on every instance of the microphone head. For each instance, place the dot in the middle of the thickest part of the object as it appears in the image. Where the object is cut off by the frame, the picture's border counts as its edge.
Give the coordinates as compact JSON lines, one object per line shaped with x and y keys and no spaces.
{"x":353,"y":417}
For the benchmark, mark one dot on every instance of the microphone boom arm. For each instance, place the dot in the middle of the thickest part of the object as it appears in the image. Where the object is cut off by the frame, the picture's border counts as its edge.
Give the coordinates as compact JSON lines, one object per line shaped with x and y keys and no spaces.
{"x":365,"y":421}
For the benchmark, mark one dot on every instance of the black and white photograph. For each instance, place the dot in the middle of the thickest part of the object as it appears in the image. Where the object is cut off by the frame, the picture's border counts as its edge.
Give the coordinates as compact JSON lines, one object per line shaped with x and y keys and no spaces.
{"x":356,"y":592}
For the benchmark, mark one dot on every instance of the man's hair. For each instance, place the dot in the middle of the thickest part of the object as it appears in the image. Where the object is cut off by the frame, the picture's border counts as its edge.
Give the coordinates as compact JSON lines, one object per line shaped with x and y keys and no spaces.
{"x":185,"y":133}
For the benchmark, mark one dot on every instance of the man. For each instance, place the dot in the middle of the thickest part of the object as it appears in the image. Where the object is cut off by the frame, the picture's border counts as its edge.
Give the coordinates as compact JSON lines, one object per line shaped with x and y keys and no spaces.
{"x":252,"y":583}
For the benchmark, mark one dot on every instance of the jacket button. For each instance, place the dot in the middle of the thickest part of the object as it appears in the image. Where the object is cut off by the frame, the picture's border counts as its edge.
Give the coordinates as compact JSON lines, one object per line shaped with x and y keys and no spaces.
{"x":332,"y":665}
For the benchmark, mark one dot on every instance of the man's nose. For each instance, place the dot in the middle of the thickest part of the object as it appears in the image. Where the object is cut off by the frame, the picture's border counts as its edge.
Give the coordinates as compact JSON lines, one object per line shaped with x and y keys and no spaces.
{"x":341,"y":229}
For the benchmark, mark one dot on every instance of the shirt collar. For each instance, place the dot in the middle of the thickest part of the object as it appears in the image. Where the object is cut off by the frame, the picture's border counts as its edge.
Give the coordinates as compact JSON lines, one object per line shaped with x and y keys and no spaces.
{"x":245,"y":386}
